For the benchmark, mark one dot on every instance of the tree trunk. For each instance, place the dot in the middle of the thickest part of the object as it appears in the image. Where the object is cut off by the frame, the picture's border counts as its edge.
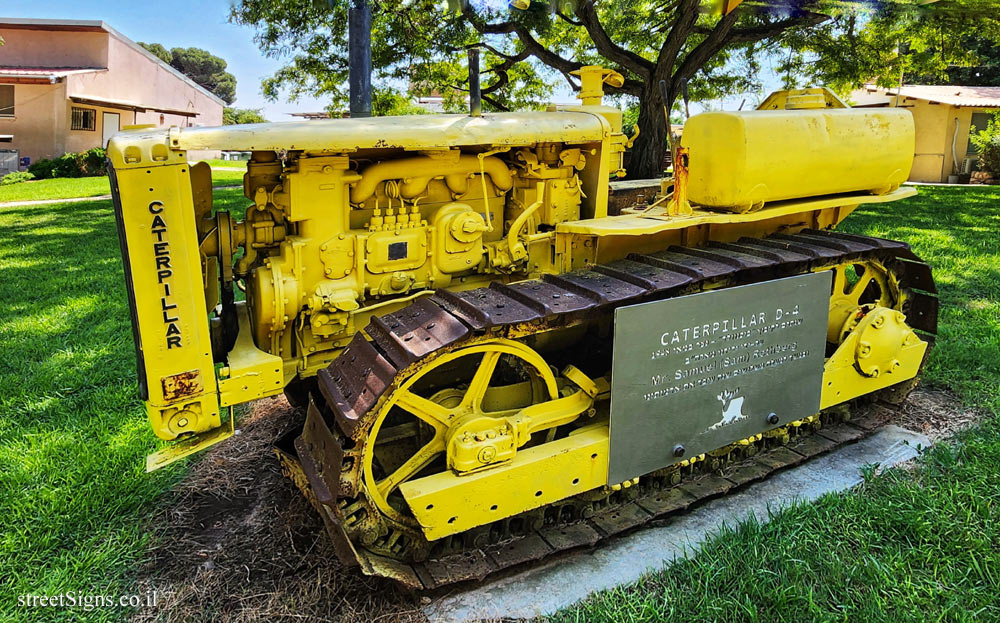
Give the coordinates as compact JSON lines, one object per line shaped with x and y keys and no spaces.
{"x":652,"y":143}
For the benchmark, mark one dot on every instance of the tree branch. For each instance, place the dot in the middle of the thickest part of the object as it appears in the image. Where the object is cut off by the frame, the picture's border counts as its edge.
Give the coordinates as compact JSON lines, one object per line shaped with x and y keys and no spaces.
{"x":530,"y":44}
{"x":568,"y":19}
{"x":687,"y":15}
{"x":766,"y":31}
{"x":608,"y":48}
{"x":495,"y":103}
{"x":696,"y":58}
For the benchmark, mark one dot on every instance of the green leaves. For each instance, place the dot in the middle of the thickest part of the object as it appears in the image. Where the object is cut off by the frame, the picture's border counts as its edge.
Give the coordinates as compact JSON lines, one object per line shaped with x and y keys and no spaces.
{"x":201,"y":66}
{"x":233,"y":116}
{"x":987,"y":143}
{"x":868,"y":42}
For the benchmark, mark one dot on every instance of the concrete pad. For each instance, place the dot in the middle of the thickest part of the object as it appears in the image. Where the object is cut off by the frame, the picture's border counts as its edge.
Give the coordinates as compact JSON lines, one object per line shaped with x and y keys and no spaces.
{"x":572,"y":577}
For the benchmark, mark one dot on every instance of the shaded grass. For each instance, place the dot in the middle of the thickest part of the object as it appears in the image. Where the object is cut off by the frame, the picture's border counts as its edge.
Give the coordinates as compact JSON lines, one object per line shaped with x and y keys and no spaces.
{"x":919,"y":545}
{"x":74,"y":497}
{"x":70,"y":187}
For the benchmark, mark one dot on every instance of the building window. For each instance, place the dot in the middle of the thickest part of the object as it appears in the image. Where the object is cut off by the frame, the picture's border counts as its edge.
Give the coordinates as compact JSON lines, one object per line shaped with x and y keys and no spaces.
{"x":84,"y":119}
{"x":979,"y":122}
{"x":6,"y":100}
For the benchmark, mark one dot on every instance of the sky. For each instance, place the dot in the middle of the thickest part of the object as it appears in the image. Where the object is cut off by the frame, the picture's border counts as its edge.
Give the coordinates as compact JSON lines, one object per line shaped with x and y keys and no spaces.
{"x":205,"y":24}
{"x":182,"y":23}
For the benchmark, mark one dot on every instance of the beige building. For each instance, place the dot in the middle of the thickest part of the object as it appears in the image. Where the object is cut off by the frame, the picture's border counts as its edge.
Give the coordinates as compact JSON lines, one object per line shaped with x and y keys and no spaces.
{"x":69,"y":85}
{"x":942,"y":117}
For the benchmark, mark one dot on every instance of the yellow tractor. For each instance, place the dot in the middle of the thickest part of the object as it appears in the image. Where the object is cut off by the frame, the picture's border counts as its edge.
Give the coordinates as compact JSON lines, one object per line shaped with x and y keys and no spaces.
{"x":492,"y":367}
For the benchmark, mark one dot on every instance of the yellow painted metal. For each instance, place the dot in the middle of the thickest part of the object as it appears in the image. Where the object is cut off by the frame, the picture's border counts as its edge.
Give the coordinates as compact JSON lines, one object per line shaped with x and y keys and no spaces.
{"x":876,"y":347}
{"x":656,"y":221}
{"x":361,"y":216}
{"x":250,"y":373}
{"x":191,"y":445}
{"x":802,"y":99}
{"x":446,"y":503}
{"x":452,"y":415}
{"x":880,"y":352}
{"x":849,"y":286}
{"x":156,"y":213}
{"x":728,"y":6}
{"x":740,"y":161}
{"x":409,"y":133}
{"x":592,"y":81}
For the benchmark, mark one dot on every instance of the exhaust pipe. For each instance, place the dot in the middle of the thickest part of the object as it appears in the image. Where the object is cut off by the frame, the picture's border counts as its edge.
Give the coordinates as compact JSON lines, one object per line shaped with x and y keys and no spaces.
{"x":475,"y":95}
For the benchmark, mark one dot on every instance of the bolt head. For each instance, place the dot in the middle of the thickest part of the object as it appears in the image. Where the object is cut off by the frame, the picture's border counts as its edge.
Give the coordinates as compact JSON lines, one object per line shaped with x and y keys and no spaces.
{"x":679,"y":450}
{"x":772,"y":418}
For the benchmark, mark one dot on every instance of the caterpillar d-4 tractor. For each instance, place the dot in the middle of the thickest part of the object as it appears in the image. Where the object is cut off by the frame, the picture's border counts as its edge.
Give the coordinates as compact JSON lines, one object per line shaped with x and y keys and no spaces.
{"x":490,"y":366}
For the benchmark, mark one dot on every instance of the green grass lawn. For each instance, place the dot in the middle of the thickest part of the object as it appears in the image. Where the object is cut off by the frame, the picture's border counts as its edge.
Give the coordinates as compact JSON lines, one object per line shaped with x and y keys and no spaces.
{"x":68,"y":187}
{"x":920,"y":545}
{"x":227,"y":164}
{"x":73,"y":434}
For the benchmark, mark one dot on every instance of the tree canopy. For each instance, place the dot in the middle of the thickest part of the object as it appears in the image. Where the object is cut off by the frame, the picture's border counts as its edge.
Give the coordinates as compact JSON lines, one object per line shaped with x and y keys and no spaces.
{"x":983,"y":71}
{"x":201,"y":66}
{"x":696,"y":51}
{"x":234,"y":116}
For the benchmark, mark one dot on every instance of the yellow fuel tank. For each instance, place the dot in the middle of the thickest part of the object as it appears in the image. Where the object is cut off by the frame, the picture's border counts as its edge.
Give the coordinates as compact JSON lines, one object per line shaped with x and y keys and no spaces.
{"x":740,"y":160}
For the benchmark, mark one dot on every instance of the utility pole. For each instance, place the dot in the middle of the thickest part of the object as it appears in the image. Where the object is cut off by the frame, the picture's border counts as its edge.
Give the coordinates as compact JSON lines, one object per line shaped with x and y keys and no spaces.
{"x":359,"y":32}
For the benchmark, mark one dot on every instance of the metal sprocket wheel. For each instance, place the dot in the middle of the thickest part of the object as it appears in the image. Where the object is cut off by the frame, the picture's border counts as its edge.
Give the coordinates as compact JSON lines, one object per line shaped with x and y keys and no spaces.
{"x":495,"y":377}
{"x":858,"y":284}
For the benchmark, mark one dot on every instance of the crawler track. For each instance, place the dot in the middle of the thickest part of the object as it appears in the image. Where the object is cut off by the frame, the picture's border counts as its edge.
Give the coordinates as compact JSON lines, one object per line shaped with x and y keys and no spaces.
{"x":325,"y":458}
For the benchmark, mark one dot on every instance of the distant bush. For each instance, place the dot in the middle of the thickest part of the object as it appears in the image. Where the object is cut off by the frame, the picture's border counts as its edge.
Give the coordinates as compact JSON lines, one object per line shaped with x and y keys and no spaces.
{"x":93,"y":162}
{"x":88,"y":163}
{"x":16,"y":177}
{"x":42,"y":169}
{"x":987,"y":143}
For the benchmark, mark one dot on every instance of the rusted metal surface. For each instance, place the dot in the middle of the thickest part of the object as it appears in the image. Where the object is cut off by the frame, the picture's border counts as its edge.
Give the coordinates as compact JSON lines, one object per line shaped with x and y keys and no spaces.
{"x":518,"y":551}
{"x":318,"y":450}
{"x":631,"y":193}
{"x":600,"y":288}
{"x":922,"y":312}
{"x":811,"y":445}
{"x":668,"y":501}
{"x":544,"y":298}
{"x":354,"y":382}
{"x":483,"y":308}
{"x":357,"y":381}
{"x":698,"y":267}
{"x":783,"y":245}
{"x":746,"y":472}
{"x":178,"y":386}
{"x":708,"y":486}
{"x":621,"y":518}
{"x":411,"y":333}
{"x":775,"y":254}
{"x":568,"y":536}
{"x":646,"y":276}
{"x":292,"y":468}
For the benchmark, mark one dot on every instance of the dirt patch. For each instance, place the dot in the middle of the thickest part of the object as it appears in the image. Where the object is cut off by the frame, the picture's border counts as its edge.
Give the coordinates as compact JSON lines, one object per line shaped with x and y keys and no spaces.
{"x":238,"y":543}
{"x":937,"y":414}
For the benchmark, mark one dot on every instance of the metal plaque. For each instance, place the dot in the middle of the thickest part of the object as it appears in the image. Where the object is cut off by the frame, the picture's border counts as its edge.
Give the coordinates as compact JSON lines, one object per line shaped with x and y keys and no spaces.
{"x":698,"y":372}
